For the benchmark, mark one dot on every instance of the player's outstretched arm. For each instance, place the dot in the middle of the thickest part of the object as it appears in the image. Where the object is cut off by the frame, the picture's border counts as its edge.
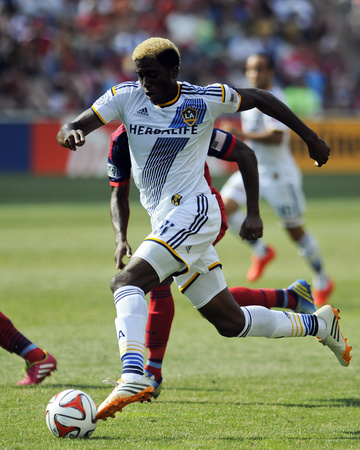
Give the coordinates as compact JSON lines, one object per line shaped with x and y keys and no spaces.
{"x":244,"y":156}
{"x":72,"y":134}
{"x":120,"y":213}
{"x":267,"y":103}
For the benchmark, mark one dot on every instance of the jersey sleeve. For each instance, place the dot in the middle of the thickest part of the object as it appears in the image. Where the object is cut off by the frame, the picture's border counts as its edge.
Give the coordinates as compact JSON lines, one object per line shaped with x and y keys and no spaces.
{"x":222,"y":144}
{"x":104,"y":107}
{"x":232,"y":97}
{"x":114,"y":102}
{"x":119,"y":163}
{"x":220,"y":99}
{"x":231,"y":100}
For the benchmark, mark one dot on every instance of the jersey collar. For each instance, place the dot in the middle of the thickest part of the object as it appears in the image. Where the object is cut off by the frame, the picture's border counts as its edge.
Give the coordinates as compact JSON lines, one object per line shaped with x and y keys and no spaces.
{"x":174,"y":100}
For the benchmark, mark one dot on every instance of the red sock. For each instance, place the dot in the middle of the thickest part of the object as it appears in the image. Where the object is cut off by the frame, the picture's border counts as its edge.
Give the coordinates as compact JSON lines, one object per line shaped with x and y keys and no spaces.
{"x":34,"y":355}
{"x":269,"y":298}
{"x":10,"y":337}
{"x":161,"y":314}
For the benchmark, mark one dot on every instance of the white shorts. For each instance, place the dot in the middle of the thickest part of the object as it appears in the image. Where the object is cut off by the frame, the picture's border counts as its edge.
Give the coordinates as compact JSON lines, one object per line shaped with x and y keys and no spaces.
{"x":286,"y":200}
{"x":181,"y":245}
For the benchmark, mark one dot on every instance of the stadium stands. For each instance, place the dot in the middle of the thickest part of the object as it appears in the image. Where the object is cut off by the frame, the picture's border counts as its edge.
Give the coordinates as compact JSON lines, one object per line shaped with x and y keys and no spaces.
{"x":57,"y":57}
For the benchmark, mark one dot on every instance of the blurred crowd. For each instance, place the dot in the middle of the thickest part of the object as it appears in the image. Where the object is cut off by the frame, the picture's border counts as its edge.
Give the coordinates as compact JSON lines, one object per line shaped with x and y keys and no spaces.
{"x":58,"y":56}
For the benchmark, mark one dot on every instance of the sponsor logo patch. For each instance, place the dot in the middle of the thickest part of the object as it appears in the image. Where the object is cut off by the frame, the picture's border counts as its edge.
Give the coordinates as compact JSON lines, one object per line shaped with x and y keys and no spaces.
{"x":142,"y":111}
{"x":112,"y":170}
{"x":176,"y":199}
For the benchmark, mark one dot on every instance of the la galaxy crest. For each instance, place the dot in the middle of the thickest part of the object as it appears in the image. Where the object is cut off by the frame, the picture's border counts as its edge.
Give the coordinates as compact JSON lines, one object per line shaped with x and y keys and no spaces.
{"x":191,"y":113}
{"x":189,"y":116}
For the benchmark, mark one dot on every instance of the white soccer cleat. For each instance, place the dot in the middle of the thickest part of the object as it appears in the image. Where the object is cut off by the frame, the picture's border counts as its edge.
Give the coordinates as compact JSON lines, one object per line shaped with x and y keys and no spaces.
{"x":124,"y":393}
{"x":334,"y":338}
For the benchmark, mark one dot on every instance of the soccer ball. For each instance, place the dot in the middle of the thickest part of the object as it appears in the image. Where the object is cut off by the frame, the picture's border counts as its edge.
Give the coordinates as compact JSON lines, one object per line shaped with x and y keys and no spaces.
{"x":71,"y":414}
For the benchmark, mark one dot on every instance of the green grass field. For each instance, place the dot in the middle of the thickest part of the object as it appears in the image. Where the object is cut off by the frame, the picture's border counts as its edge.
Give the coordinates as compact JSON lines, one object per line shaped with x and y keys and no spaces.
{"x":56,"y":263}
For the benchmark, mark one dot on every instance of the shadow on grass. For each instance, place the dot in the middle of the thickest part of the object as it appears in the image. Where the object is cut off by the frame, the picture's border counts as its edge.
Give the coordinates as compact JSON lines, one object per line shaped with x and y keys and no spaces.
{"x":316,"y":403}
{"x":340,"y":403}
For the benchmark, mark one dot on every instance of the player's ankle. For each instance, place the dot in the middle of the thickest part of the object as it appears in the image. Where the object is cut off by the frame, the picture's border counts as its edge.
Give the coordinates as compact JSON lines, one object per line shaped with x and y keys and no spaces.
{"x":153,"y":372}
{"x":34,"y":355}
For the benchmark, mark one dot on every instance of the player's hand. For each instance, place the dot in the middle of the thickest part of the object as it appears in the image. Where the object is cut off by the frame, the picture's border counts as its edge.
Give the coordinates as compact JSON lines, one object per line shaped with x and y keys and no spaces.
{"x":71,"y":138}
{"x":319,"y":151}
{"x":252,"y":228}
{"x":122,"y":249}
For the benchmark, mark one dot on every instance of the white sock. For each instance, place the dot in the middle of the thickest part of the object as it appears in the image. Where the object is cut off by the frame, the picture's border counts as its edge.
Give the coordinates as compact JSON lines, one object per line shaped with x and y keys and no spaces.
{"x":320,"y":280}
{"x":130,"y":323}
{"x":263,"y":322}
{"x":258,"y":247}
{"x":308,"y":248}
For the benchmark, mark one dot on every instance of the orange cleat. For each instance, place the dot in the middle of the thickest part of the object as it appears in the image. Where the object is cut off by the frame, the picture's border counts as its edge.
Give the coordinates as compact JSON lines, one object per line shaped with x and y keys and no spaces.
{"x":124,"y":393}
{"x":321,"y":295}
{"x":258,"y":264}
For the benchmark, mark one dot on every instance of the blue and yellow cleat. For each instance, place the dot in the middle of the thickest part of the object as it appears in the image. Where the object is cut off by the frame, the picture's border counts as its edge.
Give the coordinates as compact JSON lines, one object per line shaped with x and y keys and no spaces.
{"x":157,"y":385}
{"x":305,"y":302}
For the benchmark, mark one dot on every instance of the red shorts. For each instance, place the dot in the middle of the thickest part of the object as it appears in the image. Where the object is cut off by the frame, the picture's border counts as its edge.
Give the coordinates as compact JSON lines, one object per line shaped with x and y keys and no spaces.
{"x":224,"y":224}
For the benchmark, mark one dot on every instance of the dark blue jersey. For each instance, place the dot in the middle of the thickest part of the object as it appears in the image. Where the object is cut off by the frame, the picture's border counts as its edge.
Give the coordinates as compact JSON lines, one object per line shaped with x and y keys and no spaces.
{"x":119,"y":163}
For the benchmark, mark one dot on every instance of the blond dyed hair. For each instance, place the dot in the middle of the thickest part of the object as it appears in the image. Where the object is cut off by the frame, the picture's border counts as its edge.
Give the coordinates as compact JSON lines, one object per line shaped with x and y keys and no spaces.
{"x":154,"y":47}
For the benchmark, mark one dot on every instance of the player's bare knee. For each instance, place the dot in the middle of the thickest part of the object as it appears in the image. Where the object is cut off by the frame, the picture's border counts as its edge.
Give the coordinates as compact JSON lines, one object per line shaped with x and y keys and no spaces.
{"x":230,"y":328}
{"x":117,"y":282}
{"x":228,"y":322}
{"x":224,"y":313}
{"x":138,"y":273}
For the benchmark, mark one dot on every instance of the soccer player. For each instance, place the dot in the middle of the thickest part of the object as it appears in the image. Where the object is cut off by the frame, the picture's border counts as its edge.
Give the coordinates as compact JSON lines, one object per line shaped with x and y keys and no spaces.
{"x":161,"y":303}
{"x":280,"y":182}
{"x":39,"y":363}
{"x":169,"y":125}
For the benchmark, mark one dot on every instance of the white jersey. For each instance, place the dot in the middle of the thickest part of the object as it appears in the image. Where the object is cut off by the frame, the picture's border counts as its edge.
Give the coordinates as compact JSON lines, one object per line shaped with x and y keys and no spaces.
{"x":275,"y":161}
{"x":168,"y":143}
